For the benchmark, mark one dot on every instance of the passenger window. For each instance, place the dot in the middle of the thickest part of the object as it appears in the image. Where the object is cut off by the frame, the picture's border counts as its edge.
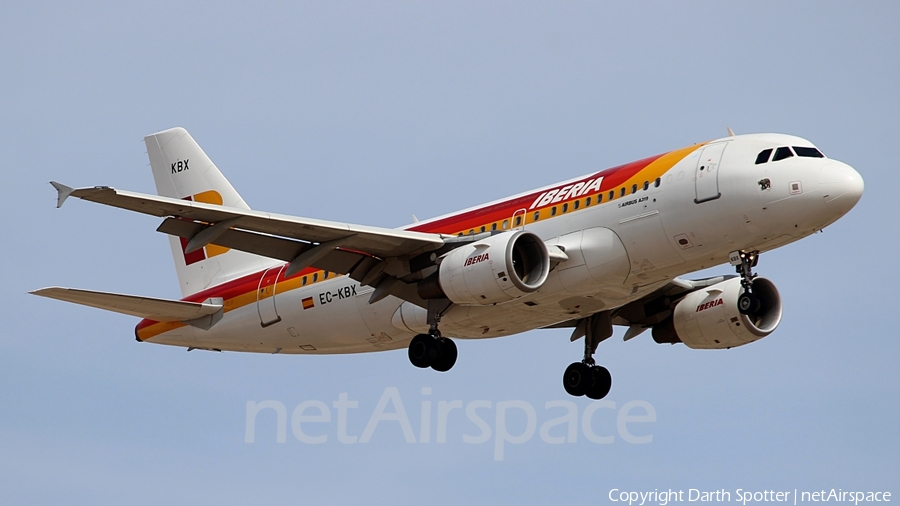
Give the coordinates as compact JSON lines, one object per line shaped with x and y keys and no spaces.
{"x":315,"y":277}
{"x":657,"y":183}
{"x":471,"y":231}
{"x":622,"y":192}
{"x":646,"y":185}
{"x":518,"y":221}
{"x":587,"y":201}
{"x":782,"y":153}
{"x":575,"y":204}
{"x":494,"y":225}
{"x":553,"y":211}
{"x":763,"y":156}
{"x":483,"y":229}
{"x":505,"y":224}
{"x":566,"y":207}
{"x":537,"y":215}
{"x":304,"y":281}
{"x":808,"y":152}
{"x":612,"y":194}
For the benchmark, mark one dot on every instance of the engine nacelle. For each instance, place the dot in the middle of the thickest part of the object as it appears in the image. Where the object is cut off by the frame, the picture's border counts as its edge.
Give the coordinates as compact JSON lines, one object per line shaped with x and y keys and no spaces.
{"x":500,"y":268}
{"x":709,"y":318}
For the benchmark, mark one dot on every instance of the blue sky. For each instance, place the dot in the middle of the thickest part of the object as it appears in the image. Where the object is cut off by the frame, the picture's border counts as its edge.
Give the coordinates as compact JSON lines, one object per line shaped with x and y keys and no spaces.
{"x":369,"y":113}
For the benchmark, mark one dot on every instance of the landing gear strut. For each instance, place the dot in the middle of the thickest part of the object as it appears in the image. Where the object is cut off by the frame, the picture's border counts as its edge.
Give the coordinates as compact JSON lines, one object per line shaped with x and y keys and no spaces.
{"x":431,"y":349}
{"x":586,"y":377}
{"x":744,"y":263}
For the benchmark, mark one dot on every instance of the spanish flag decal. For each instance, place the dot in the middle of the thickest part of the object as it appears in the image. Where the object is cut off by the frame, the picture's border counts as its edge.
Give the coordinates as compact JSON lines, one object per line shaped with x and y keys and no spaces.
{"x":308,"y":303}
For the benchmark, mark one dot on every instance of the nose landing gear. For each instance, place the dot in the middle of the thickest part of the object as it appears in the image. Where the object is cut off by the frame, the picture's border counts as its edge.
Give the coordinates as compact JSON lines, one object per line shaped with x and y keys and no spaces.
{"x":586,"y":377}
{"x":744,"y":263}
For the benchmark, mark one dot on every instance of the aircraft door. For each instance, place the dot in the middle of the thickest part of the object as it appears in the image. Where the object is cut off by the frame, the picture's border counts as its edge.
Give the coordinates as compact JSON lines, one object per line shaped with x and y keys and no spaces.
{"x":706,"y":178}
{"x":265,"y":297}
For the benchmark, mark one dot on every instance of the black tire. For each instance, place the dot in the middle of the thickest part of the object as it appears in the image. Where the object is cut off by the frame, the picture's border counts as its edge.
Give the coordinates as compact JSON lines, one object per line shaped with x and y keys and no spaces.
{"x":602,"y":383}
{"x":423,"y":350}
{"x":577,"y":379}
{"x":446,"y":355}
{"x":757,"y":306}
{"x":748,"y":304}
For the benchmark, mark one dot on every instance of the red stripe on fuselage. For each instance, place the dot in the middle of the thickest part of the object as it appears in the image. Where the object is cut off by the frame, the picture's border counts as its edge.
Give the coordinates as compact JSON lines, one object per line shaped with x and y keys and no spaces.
{"x":495,"y":212}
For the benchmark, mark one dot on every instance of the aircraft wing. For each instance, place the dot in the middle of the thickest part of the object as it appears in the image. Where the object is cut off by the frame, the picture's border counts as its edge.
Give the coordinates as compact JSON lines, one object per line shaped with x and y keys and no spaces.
{"x":360,"y":251}
{"x":641,"y":314}
{"x":380,"y":242}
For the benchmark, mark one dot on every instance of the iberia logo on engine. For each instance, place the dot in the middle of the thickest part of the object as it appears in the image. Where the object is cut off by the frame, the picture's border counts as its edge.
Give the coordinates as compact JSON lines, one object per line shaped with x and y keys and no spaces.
{"x":476,"y":259}
{"x":707,"y":305}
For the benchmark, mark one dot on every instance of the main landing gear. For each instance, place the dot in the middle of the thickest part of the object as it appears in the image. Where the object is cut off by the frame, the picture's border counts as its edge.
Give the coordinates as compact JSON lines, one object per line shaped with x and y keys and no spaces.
{"x":431,"y":349}
{"x":748,"y":303}
{"x":434,"y":351}
{"x":586,"y":377}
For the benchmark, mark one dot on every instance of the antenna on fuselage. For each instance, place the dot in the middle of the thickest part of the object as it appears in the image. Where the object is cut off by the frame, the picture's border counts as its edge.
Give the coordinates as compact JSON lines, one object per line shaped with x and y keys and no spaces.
{"x":730,"y":132}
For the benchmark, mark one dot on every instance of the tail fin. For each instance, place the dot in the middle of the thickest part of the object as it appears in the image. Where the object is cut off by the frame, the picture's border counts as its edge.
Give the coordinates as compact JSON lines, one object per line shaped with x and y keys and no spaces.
{"x":182,"y":170}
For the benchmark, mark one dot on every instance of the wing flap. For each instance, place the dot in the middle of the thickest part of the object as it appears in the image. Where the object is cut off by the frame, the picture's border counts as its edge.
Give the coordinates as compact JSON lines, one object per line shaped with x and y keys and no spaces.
{"x":251,"y":242}
{"x":161,"y":310}
{"x":336,"y":260}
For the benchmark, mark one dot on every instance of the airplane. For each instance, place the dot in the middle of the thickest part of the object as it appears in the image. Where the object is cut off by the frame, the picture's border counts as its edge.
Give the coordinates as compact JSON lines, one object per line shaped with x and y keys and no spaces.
{"x":603,"y":249}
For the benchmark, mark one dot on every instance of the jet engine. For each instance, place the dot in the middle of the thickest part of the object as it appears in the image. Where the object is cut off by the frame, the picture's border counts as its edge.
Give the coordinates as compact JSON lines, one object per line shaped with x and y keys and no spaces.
{"x":709,"y":318}
{"x":498,"y":269}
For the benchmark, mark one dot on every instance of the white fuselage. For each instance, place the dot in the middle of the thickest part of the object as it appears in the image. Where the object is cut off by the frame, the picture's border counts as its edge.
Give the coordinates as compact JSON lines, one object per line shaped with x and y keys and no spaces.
{"x":618,"y":251}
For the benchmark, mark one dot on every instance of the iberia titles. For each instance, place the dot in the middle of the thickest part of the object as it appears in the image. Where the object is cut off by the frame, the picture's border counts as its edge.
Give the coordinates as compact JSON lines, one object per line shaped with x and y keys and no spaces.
{"x":477,"y":258}
{"x":707,"y":305}
{"x":569,"y":191}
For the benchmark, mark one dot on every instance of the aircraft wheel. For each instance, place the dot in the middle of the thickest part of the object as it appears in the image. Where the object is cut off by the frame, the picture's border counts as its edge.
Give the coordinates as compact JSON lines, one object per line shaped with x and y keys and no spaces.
{"x":423,"y":350}
{"x":577,"y":379}
{"x":446,"y":355}
{"x":748,"y":304}
{"x":602,"y":383}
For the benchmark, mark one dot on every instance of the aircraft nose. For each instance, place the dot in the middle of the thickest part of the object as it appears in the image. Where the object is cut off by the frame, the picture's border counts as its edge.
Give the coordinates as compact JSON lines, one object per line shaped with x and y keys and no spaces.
{"x":841,"y":186}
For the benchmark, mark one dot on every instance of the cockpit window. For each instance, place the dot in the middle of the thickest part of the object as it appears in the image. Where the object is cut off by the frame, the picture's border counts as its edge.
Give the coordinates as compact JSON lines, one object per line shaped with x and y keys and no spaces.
{"x":808,"y":152}
{"x":782,"y":153}
{"x":763,"y":156}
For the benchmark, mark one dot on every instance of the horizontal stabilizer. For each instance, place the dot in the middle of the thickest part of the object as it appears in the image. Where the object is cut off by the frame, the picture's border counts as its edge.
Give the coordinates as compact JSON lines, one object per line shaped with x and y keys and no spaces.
{"x":161,"y":310}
